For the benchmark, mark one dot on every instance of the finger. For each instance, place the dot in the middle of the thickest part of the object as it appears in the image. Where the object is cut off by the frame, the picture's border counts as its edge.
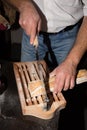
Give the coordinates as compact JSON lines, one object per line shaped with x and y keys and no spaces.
{"x":39,"y":27}
{"x":32,"y":35}
{"x":32,"y":38}
{"x":67,"y":83}
{"x":25,"y":27}
{"x":22,"y":22}
{"x":59,"y":84}
{"x":72,"y":83}
{"x":34,"y":32}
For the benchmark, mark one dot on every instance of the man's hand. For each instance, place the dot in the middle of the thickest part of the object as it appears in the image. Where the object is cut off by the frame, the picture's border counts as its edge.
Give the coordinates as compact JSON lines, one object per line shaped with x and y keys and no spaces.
{"x":29,"y":20}
{"x":65,"y":76}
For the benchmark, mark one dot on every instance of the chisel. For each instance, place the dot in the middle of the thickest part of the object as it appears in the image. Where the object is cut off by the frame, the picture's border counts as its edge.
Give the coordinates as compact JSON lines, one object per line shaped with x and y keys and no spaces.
{"x":45,"y":98}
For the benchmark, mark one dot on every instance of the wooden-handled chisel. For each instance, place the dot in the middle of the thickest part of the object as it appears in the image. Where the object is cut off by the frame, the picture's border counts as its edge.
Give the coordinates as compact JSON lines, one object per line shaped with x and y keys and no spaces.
{"x":45,"y":98}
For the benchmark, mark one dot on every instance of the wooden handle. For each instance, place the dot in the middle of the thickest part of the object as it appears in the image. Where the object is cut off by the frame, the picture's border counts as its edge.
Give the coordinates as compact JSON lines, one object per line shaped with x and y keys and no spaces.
{"x":36,"y":42}
{"x":81,"y":73}
{"x":81,"y":76}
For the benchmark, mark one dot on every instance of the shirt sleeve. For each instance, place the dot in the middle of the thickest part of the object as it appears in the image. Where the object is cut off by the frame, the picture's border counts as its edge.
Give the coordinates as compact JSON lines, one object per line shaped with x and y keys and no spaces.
{"x":85,"y":7}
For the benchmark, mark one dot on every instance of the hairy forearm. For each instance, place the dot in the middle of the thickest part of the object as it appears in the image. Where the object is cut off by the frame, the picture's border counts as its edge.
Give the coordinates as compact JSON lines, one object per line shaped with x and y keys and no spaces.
{"x":18,"y":4}
{"x":80,"y":45}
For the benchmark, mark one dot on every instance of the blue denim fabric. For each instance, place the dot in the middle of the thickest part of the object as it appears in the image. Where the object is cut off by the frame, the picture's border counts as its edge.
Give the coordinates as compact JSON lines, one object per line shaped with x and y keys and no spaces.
{"x":56,"y":46}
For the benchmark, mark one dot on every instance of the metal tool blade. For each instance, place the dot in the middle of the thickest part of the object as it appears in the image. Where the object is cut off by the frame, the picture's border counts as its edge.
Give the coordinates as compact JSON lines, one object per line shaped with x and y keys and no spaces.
{"x":45,"y":97}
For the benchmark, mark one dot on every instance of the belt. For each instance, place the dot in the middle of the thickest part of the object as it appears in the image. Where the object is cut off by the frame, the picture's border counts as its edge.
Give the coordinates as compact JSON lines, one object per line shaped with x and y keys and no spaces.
{"x":64,"y":30}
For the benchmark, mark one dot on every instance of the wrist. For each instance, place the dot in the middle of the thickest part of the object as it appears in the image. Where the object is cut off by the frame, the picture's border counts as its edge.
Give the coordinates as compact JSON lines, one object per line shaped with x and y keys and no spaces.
{"x":74,"y":61}
{"x":24,"y":4}
{"x":75,"y":56}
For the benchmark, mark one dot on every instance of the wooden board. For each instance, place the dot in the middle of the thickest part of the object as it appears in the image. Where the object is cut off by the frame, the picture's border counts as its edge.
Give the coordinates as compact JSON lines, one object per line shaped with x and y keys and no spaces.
{"x":28,"y":76}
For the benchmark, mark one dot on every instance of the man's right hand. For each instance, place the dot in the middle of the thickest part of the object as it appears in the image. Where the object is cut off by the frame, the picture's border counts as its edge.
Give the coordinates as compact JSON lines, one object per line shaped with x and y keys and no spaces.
{"x":29,"y":19}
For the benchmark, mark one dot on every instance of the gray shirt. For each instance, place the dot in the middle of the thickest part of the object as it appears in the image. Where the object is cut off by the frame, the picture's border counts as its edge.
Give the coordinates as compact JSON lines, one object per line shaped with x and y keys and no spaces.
{"x":58,"y":14}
